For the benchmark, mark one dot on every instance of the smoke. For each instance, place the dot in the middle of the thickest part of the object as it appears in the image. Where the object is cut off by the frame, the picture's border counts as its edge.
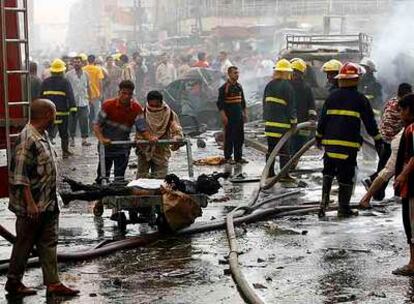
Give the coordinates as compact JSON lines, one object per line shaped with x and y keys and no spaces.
{"x":393,"y":49}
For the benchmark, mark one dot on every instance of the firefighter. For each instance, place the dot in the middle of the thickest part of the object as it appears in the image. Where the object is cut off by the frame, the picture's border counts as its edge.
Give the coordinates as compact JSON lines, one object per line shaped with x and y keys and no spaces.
{"x":331,"y":68}
{"x":59,"y":90}
{"x":369,"y":86}
{"x":232,"y":107}
{"x":305,"y":103}
{"x":279,"y":112}
{"x":338,"y":132}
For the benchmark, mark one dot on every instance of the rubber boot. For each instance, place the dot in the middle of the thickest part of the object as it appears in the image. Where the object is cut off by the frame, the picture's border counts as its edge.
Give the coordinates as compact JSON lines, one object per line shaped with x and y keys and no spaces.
{"x":326,"y":191}
{"x":344,"y":199}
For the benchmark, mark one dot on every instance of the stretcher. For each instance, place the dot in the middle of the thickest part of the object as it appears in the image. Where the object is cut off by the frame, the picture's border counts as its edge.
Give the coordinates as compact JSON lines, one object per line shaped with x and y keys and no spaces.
{"x":148,"y":209}
{"x":145,"y":209}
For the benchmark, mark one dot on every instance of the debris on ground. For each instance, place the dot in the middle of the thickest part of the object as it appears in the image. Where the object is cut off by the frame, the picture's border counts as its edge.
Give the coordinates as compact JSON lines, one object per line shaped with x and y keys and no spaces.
{"x":274,"y":229}
{"x":210,"y":161}
{"x":221,"y":199}
{"x":201,"y":143}
{"x":378,"y":294}
{"x":259,"y":286}
{"x":349,"y":249}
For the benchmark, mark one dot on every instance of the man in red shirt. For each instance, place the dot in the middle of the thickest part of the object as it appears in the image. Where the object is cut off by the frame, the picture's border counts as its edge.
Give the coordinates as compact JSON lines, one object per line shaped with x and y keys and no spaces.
{"x":201,"y":63}
{"x":114,"y":123}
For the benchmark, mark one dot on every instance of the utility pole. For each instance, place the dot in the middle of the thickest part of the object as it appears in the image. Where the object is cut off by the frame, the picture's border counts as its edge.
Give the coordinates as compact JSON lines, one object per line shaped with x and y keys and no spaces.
{"x":135,"y":31}
{"x":199,"y":18}
{"x":138,"y":20}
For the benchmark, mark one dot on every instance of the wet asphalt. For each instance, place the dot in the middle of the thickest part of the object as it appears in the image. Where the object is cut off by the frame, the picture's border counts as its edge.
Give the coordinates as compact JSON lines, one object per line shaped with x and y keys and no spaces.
{"x":297,"y":259}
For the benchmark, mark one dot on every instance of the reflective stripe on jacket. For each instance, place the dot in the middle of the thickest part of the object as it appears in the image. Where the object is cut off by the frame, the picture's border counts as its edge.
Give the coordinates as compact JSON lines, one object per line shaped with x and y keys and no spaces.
{"x":279,"y":109}
{"x":339,"y":126}
{"x":59,"y":90}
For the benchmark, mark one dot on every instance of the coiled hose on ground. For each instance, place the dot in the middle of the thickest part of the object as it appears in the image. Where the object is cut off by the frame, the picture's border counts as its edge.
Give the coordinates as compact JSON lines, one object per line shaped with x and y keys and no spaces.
{"x":242,"y":214}
{"x":244,"y":287}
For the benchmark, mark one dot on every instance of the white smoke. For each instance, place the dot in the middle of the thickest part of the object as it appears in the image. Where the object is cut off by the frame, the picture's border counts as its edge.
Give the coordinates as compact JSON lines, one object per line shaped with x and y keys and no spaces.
{"x":393,"y":49}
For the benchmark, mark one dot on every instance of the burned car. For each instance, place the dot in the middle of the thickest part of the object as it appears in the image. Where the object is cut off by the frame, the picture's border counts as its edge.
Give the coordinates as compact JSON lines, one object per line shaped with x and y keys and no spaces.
{"x":193,"y":97}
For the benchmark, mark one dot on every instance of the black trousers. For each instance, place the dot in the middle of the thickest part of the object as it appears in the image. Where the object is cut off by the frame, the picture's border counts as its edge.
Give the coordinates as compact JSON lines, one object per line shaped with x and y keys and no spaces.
{"x":406,"y":219}
{"x":284,"y":153}
{"x":62,"y":126}
{"x":383,"y":159}
{"x":120,"y":163}
{"x":234,"y":139}
{"x":343,"y":170}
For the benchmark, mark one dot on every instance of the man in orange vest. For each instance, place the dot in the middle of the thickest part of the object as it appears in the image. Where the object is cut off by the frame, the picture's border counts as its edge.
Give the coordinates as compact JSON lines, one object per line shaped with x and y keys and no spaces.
{"x":232,"y":107}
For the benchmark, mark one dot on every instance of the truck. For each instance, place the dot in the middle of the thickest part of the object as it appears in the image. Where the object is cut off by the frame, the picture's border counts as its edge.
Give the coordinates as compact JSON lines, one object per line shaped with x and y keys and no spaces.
{"x":315,"y":50}
{"x":14,"y":80}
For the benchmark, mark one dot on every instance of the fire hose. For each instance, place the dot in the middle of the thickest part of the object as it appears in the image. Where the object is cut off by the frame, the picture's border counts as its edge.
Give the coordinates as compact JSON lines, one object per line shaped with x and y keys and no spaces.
{"x":242,"y":214}
{"x":109,"y":246}
{"x":244,"y":287}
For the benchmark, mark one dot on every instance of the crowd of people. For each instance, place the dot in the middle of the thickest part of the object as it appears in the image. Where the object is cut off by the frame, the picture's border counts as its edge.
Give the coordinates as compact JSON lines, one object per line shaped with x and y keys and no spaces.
{"x":99,"y":96}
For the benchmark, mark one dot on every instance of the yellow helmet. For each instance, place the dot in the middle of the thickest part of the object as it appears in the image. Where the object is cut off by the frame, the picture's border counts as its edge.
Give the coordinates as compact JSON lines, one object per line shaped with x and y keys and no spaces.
{"x":283,"y":65}
{"x":117,"y":56}
{"x":83,"y":56}
{"x":299,"y":65}
{"x":57,"y":66}
{"x":332,"y":65}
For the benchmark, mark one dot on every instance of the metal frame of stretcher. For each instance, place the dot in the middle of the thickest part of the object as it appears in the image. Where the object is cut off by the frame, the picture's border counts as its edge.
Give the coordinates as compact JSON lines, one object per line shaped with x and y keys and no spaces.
{"x":137,"y":202}
{"x":185,"y":141}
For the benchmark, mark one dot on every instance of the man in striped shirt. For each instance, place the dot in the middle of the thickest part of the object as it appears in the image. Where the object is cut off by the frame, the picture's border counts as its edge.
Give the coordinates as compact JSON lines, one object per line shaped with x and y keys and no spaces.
{"x":391,"y":124}
{"x":232,"y":107}
{"x":33,"y":200}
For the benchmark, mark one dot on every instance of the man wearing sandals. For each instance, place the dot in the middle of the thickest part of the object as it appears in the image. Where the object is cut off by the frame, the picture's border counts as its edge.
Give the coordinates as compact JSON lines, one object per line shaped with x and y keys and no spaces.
{"x":33,"y":199}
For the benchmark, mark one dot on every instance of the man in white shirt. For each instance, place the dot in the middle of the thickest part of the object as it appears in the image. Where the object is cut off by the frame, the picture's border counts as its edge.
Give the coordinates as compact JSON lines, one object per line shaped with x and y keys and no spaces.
{"x":79,"y":81}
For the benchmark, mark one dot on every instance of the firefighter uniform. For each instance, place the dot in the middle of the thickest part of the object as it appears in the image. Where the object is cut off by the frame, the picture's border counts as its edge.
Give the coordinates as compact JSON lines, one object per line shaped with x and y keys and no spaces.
{"x":331,"y":68}
{"x":372,"y":89}
{"x":339,"y":129}
{"x":231,"y":100}
{"x":59,"y":91}
{"x":339,"y":133}
{"x":279,"y":113}
{"x":305,"y":104}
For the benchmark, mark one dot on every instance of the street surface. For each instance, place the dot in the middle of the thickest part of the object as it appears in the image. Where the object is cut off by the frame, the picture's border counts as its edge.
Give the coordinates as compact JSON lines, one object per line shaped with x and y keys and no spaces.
{"x":297,"y":259}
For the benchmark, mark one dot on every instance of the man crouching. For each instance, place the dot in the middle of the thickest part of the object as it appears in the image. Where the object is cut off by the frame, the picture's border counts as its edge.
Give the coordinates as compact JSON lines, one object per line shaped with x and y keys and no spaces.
{"x":33,"y":198}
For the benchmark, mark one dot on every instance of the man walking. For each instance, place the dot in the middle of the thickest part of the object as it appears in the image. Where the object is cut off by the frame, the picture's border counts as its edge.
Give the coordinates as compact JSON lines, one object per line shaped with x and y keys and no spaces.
{"x":140,"y":70}
{"x":96,"y":76}
{"x":59,"y":90}
{"x":34,"y":201}
{"x":114,"y":77}
{"x":232,"y":106}
{"x":80,"y":86}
